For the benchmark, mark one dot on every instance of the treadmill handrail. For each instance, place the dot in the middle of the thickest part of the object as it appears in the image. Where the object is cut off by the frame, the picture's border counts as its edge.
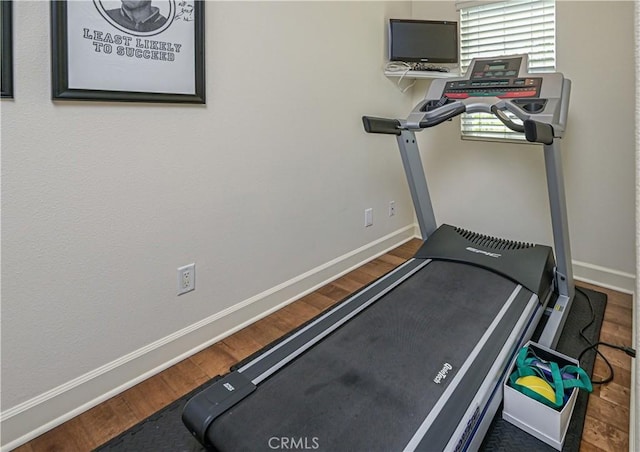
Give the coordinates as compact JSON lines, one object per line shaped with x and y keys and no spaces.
{"x":534,"y":131}
{"x":381,"y":125}
{"x":431,"y":118}
{"x":421,"y":118}
{"x":505,"y":120}
{"x":457,"y":109}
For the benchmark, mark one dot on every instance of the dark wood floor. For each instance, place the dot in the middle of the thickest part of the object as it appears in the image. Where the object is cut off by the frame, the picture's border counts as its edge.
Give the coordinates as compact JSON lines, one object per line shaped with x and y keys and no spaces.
{"x":607,"y":420}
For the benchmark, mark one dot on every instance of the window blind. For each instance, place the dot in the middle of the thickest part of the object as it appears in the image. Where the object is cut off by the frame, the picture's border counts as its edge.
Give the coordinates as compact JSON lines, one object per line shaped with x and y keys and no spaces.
{"x":505,"y":28}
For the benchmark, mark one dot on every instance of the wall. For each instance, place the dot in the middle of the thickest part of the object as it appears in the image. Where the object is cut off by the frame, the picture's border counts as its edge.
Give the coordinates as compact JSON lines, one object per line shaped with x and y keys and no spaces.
{"x":263,"y":188}
{"x":500,"y":189}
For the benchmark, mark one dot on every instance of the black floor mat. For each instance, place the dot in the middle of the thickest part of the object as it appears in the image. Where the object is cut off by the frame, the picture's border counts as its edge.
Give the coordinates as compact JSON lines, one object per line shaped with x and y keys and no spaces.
{"x":164,"y":430}
{"x":503,"y":436}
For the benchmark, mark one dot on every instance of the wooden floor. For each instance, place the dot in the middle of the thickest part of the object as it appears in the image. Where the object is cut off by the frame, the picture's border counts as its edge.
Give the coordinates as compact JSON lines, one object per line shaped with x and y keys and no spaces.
{"x":607,"y":420}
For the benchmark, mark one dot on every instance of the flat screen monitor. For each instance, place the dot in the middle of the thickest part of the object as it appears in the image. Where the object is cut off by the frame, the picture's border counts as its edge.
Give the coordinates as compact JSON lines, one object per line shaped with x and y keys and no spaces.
{"x":427,"y":41}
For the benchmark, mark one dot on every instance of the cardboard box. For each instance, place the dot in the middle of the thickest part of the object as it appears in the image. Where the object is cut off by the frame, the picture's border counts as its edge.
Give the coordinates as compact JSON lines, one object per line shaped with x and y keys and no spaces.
{"x":533,"y":417}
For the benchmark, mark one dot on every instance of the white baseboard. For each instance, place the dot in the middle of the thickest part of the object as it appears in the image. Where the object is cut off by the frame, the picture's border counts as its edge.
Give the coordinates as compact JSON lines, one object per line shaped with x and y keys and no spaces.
{"x":604,"y":277}
{"x":23,"y":422}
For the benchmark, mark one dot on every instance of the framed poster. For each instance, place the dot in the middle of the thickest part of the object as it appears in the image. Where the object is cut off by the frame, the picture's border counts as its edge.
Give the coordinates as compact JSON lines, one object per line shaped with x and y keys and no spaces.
{"x":6,"y":43}
{"x":126,"y":50}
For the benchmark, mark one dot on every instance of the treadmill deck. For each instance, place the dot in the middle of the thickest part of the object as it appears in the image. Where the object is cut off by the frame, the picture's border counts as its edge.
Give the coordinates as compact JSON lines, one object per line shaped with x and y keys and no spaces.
{"x":372,"y":383}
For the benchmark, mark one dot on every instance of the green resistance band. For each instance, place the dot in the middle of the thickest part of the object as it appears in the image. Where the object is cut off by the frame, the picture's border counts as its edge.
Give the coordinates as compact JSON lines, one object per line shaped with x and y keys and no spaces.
{"x":525,"y":367}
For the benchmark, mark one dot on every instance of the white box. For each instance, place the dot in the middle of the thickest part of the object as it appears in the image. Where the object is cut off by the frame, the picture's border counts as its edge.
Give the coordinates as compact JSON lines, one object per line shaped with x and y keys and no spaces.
{"x":536,"y":418}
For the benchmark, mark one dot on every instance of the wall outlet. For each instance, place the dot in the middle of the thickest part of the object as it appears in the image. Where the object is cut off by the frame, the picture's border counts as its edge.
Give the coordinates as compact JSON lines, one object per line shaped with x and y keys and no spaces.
{"x":186,"y":279}
{"x":368,"y":218}
{"x":392,"y":208}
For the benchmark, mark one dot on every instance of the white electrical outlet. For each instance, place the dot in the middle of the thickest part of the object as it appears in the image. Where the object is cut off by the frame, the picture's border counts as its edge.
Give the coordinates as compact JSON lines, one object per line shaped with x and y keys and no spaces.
{"x":186,"y":278}
{"x":392,"y":208}
{"x":368,"y":218}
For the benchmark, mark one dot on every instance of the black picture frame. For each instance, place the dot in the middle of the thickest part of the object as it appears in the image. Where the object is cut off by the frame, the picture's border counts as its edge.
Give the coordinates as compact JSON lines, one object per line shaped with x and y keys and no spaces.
{"x":127,"y":37}
{"x":6,"y":21}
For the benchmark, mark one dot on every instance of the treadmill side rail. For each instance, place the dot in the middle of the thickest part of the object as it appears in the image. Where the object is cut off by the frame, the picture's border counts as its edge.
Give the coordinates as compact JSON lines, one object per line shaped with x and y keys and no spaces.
{"x":204,"y":408}
{"x":268,"y":361}
{"x":207,"y":405}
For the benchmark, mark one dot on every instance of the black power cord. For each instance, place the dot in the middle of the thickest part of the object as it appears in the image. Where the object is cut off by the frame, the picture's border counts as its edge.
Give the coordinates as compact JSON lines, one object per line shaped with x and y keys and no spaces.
{"x":594,"y":346}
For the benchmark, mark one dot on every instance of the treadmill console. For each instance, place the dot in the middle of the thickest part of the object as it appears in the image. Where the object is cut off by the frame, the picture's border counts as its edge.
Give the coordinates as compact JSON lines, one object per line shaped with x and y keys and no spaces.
{"x":497,"y":77}
{"x":496,"y":85}
{"x":502,"y":88}
{"x":534,"y":104}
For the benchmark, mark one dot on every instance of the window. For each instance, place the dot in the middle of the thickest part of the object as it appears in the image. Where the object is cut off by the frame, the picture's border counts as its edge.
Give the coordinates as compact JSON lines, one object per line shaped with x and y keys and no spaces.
{"x":489,"y":29}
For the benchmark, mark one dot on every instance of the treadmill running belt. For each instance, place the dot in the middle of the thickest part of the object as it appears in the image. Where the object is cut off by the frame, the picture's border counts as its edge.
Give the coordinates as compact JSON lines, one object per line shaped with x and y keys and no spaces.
{"x":370,"y":384}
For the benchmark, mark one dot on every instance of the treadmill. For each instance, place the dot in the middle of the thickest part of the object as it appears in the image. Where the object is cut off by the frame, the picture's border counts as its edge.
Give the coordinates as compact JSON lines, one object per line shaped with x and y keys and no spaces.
{"x":415,"y":360}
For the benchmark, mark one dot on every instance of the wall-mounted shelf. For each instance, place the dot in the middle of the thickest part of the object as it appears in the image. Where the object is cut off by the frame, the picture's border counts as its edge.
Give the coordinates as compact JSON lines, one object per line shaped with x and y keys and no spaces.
{"x":421,"y":74}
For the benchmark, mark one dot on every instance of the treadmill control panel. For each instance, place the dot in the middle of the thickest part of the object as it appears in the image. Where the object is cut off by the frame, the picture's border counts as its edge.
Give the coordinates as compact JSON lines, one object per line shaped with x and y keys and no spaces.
{"x":498,"y":77}
{"x":502,"y":84}
{"x":494,"y":87}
